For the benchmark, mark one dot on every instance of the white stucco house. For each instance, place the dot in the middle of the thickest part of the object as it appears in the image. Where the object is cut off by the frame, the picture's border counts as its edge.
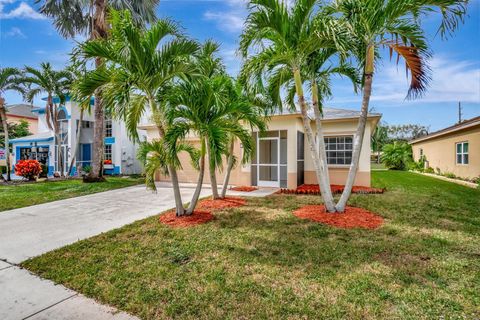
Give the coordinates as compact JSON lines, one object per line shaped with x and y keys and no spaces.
{"x":120,"y":150}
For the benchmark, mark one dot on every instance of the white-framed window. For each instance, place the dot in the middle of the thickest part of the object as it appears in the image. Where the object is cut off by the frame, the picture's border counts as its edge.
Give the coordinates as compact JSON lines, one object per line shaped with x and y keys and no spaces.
{"x":462,"y":152}
{"x":339,"y":150}
{"x":108,"y":126}
{"x":108,"y":152}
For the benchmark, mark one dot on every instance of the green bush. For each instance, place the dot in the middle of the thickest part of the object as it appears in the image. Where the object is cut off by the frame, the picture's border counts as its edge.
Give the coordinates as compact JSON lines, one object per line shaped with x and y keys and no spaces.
{"x":44,"y":173}
{"x":3,"y":169}
{"x":450,"y":175}
{"x":397,"y":156}
{"x":429,"y":170}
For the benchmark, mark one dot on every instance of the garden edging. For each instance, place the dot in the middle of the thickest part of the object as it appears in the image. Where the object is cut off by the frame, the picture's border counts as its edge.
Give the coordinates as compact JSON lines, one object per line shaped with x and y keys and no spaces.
{"x":457,"y":181}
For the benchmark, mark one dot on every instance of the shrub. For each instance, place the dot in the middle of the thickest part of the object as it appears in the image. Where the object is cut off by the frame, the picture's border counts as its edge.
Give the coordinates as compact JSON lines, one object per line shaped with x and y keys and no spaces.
{"x":397,"y":156}
{"x":29,"y":169}
{"x":429,"y":170}
{"x":449,"y":175}
{"x":44,"y":172}
{"x":438,"y":171}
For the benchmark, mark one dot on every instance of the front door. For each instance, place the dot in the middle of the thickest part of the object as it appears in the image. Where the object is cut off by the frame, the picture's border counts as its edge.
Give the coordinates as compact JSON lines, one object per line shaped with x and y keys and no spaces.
{"x":268,"y":162}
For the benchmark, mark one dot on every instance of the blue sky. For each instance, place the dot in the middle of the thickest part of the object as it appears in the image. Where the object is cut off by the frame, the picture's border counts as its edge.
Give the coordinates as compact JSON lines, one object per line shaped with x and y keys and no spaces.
{"x":27,"y":38}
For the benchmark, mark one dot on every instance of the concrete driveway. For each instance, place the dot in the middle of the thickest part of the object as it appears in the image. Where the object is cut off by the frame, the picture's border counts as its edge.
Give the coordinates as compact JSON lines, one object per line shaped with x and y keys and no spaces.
{"x":31,"y":231}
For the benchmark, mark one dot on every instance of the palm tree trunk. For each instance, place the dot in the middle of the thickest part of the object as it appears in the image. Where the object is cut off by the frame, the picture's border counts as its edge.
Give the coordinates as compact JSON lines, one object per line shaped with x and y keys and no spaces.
{"x":362,"y":122}
{"x":3,"y":118}
{"x":311,"y":141}
{"x":180,"y":210}
{"x":99,"y":32}
{"x":213,"y":176}
{"x":198,"y":189}
{"x":324,"y":182}
{"x":229,"y":168}
{"x":77,"y":144}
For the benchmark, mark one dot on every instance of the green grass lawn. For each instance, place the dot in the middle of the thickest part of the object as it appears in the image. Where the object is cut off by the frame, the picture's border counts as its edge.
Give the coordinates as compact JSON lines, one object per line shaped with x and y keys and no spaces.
{"x":28,"y":194}
{"x":261,"y":262}
{"x":377,"y":166}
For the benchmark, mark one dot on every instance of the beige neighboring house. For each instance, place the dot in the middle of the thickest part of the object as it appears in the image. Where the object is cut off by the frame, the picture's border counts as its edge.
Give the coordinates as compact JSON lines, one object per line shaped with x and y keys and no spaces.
{"x":283,"y":159}
{"x":455,"y":149}
{"x":16,"y":113}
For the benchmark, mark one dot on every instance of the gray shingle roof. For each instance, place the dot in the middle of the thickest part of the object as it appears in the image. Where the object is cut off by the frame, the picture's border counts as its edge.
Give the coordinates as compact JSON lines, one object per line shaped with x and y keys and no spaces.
{"x":334,"y":113}
{"x":21,"y":110}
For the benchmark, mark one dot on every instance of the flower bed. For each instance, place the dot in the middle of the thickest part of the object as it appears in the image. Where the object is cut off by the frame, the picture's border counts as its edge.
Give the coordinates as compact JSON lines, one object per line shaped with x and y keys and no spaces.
{"x":352,"y":217}
{"x":336,"y":189}
{"x":244,"y":188}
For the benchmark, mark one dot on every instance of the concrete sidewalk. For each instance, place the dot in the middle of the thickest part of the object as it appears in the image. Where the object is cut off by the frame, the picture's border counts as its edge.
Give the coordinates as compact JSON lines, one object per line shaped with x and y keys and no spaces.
{"x":32,"y":231}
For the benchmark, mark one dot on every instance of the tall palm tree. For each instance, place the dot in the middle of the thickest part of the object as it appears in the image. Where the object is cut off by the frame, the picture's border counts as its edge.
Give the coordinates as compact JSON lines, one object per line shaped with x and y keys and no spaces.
{"x":89,"y":18}
{"x":8,"y":82}
{"x":249,"y":109}
{"x":284,"y":41}
{"x":139,"y":64}
{"x":392,"y":24}
{"x":55,"y":84}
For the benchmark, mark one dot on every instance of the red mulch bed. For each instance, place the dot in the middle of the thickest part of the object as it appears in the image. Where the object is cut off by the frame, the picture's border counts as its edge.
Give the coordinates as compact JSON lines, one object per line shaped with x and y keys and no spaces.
{"x":352,"y":217}
{"x":315,"y":189}
{"x":219,"y":204}
{"x":198,"y":217}
{"x":203,"y":215}
{"x":244,"y":188}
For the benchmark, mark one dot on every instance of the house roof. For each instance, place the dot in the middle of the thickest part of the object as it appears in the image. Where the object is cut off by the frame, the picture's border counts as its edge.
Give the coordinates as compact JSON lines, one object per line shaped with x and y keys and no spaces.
{"x":455,"y":128}
{"x":21,"y":110}
{"x":39,"y":137}
{"x":331,"y":113}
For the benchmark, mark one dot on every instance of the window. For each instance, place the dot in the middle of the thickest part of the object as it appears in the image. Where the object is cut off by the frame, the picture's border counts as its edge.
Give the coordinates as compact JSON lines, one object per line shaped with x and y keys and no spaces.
{"x":462,"y":152}
{"x":421,"y":152}
{"x":108,"y":152}
{"x":339,"y":150}
{"x":108,"y":126}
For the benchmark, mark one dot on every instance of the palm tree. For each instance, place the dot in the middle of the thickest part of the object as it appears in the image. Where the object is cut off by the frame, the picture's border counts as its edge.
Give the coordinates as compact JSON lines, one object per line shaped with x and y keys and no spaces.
{"x":201,"y":107}
{"x":8,"y":82}
{"x":285,"y":41}
{"x":249,"y":109}
{"x":139,"y":64}
{"x":89,"y":18}
{"x":392,"y":24}
{"x":55,"y":84}
{"x":210,"y":66}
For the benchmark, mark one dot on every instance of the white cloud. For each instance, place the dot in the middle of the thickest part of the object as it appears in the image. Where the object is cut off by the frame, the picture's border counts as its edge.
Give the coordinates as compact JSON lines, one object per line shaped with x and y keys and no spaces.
{"x":23,"y":11}
{"x":14,"y":32}
{"x":232,"y":19}
{"x":452,"y":81}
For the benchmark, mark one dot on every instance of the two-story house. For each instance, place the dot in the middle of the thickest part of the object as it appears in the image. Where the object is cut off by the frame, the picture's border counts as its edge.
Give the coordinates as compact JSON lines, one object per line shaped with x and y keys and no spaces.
{"x":120,"y":150}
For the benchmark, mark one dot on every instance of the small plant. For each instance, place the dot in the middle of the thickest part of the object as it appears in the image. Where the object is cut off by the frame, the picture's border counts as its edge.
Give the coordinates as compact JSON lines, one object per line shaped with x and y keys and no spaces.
{"x":29,"y":169}
{"x":87,"y":169}
{"x":44,"y":172}
{"x":450,"y":175}
{"x":438,"y":171}
{"x":429,"y":170}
